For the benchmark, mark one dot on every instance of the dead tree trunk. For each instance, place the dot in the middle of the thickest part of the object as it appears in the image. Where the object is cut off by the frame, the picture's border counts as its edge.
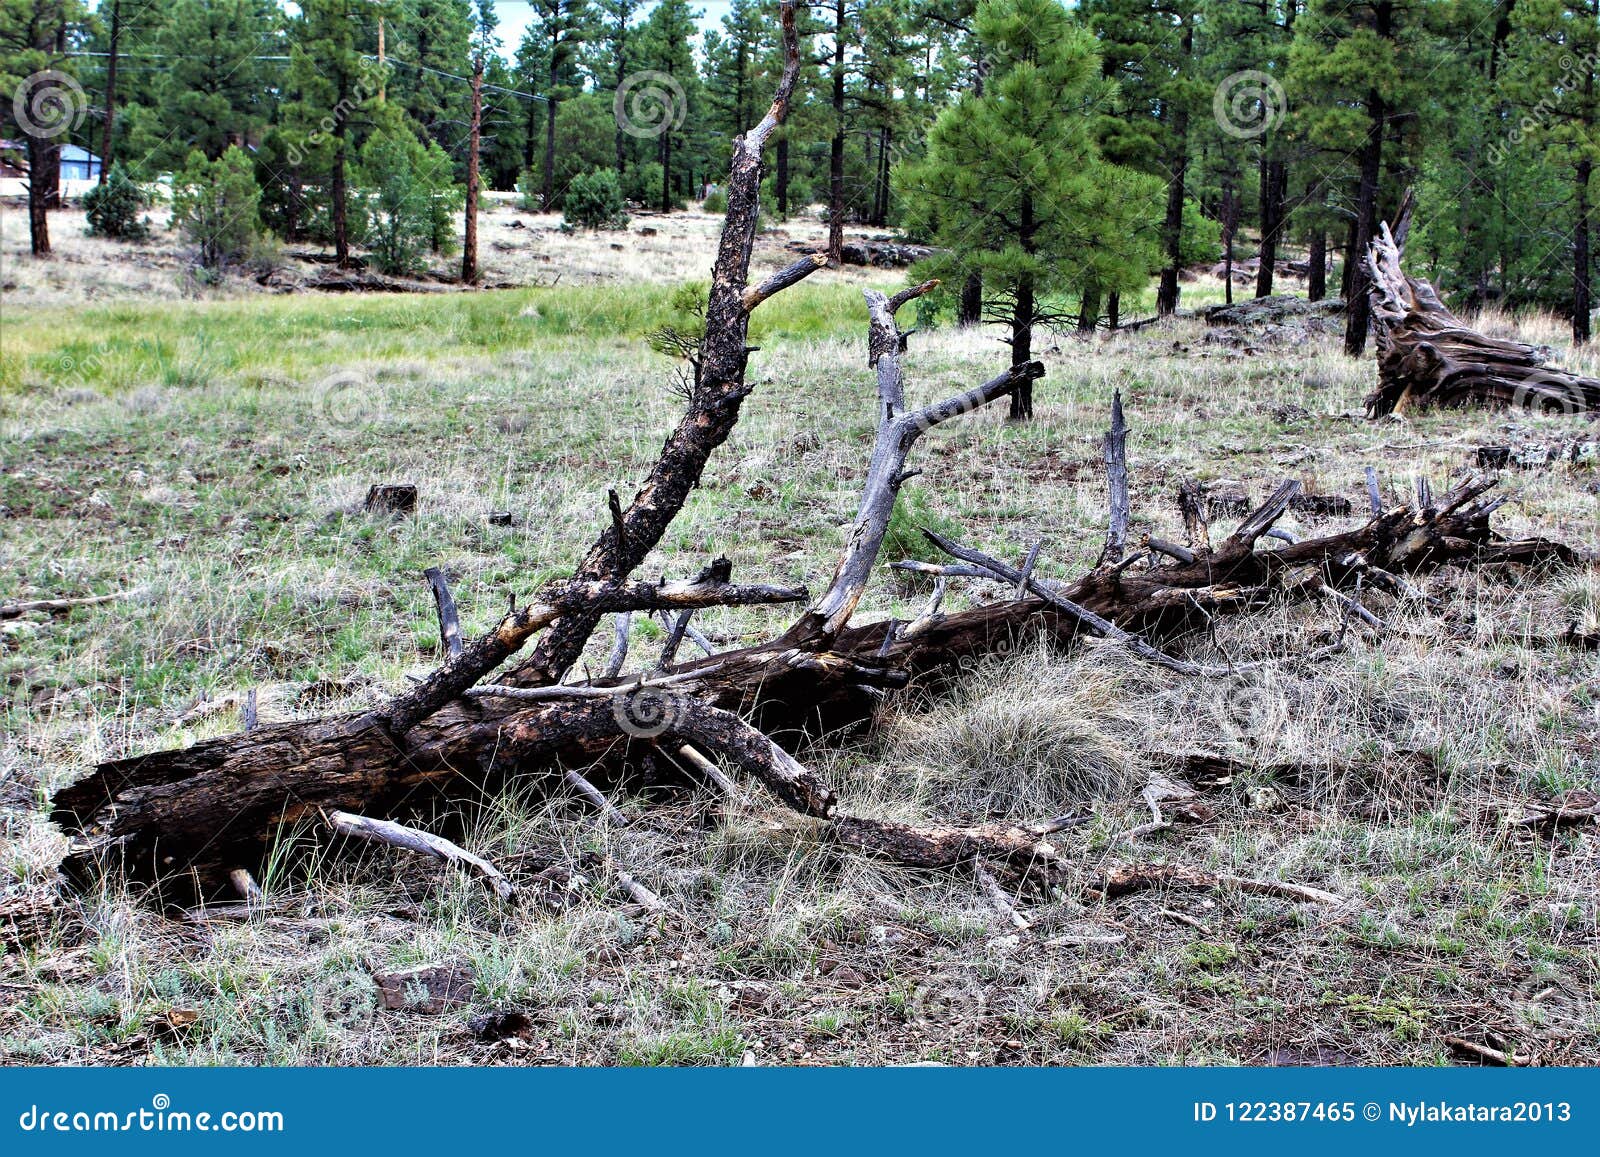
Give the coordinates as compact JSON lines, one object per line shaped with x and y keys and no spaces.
{"x":1429,"y":357}
{"x":188,"y":818}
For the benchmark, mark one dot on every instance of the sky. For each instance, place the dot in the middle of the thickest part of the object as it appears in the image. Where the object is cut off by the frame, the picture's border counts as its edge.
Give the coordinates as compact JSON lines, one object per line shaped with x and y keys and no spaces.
{"x":514,"y":18}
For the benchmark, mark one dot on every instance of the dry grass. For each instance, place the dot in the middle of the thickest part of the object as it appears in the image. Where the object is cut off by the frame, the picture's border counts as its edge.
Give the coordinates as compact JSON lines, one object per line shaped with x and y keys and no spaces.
{"x":229,"y":496}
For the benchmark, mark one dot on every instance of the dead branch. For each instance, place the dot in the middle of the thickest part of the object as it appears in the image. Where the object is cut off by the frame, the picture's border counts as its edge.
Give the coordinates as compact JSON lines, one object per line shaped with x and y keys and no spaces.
{"x":413,"y":840}
{"x":449,"y":618}
{"x":1121,"y":881}
{"x":16,"y":608}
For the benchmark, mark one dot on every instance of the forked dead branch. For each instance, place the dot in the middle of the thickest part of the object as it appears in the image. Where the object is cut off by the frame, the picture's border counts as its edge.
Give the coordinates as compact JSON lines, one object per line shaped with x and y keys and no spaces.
{"x":194,"y":815}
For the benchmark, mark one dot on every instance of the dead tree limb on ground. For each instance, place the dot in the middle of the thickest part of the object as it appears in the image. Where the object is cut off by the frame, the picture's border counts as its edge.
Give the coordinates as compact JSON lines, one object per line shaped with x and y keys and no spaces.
{"x":1429,"y":357}
{"x":194,"y":814}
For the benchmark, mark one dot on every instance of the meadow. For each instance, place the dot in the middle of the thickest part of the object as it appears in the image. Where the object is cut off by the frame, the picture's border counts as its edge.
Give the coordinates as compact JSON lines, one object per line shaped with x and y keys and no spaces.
{"x":210,"y":455}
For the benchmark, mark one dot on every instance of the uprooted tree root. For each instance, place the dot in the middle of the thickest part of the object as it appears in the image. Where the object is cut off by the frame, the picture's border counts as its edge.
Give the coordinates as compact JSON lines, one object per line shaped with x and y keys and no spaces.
{"x":200,"y":814}
{"x":1427,"y":356}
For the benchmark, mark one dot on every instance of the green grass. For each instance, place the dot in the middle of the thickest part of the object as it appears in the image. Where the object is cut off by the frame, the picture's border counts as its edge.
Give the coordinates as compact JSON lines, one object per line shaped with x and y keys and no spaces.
{"x":205,"y":459}
{"x":262,"y":340}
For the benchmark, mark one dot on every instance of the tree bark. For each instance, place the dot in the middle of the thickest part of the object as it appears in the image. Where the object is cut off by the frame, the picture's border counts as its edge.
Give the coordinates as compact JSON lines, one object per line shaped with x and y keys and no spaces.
{"x":1274,"y":182}
{"x":1167,"y":293}
{"x":969,"y":306}
{"x":469,"y":243}
{"x":1317,"y":266}
{"x":1358,"y":316}
{"x":341,"y":232}
{"x":836,"y":144}
{"x":111,"y":90}
{"x":44,"y":163}
{"x":1582,"y":269}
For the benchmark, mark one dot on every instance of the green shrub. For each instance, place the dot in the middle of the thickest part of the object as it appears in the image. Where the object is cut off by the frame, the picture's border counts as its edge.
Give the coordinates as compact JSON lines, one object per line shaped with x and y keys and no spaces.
{"x":217,"y":205}
{"x":716,"y":202}
{"x":113,"y":208}
{"x":642,"y":183}
{"x":408,"y":200}
{"x":594,"y":201}
{"x":529,"y":188}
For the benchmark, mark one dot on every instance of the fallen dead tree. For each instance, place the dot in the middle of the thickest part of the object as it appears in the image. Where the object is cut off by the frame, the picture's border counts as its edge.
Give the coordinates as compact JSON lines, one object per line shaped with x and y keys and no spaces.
{"x":192,"y":816}
{"x":1429,"y":357}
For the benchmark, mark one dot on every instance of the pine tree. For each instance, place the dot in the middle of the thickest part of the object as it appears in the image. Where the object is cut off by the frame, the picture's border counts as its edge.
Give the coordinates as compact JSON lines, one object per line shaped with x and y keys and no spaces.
{"x":333,"y":93}
{"x":432,"y":42}
{"x":1014,"y":186}
{"x":212,"y":91}
{"x":1553,"y":78}
{"x":613,"y":56}
{"x":1149,"y":47}
{"x":553,"y":39}
{"x":34,"y":77}
{"x":667,"y":46}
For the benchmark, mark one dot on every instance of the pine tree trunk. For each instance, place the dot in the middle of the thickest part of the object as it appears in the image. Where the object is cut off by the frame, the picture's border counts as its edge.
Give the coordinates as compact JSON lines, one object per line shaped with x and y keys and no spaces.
{"x":1172,"y":230}
{"x":1089,"y":311}
{"x":44,"y":157}
{"x":1274,"y":179}
{"x":111,"y":91}
{"x":666,"y":171}
{"x":836,"y":145}
{"x":1582,"y":302}
{"x":1114,"y":311}
{"x":341,"y":235}
{"x":1317,"y":273}
{"x":1022,"y":346}
{"x":969,"y":309}
{"x":469,"y":243}
{"x":1358,"y":313}
{"x":548,"y":200}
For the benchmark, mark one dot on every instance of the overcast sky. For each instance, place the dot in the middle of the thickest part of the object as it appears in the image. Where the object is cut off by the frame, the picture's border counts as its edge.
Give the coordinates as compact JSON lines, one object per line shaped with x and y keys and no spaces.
{"x":514,"y":19}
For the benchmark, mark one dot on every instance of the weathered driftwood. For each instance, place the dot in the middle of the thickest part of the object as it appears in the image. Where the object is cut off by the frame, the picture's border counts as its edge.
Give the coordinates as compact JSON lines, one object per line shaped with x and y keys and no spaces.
{"x":192,"y":815}
{"x":1429,"y":357}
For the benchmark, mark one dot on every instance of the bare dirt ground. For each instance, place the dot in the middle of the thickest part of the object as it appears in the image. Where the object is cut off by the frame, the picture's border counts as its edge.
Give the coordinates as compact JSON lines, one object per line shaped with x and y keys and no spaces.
{"x":207,"y":463}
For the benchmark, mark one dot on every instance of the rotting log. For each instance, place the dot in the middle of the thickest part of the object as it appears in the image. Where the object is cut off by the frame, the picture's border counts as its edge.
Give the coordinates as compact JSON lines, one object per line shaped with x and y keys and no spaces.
{"x":1429,"y":357}
{"x":203,"y":809}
